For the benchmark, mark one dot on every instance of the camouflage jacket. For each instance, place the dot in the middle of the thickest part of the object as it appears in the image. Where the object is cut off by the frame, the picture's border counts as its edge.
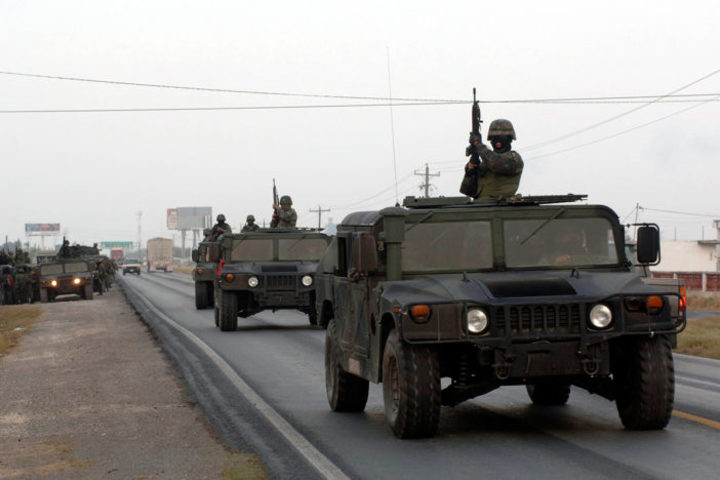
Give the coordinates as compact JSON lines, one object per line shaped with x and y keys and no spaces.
{"x":286,"y":218}
{"x":250,"y":228}
{"x":498,"y":174}
{"x":219,"y":229}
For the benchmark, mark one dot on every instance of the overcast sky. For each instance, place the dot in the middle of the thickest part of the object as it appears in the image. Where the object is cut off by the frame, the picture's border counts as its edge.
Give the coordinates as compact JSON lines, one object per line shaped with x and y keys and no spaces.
{"x":92,"y":172}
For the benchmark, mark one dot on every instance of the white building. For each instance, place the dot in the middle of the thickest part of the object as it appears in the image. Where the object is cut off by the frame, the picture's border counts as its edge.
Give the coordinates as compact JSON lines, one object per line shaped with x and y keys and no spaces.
{"x":690,"y":255}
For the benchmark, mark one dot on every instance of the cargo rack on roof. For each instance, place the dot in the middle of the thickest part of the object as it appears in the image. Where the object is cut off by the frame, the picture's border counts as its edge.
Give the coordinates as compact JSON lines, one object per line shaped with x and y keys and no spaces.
{"x":515,"y":200}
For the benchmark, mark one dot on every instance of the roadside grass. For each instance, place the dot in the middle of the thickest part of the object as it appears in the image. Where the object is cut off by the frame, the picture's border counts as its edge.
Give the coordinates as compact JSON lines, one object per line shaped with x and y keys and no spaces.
{"x":703,"y":301}
{"x":187,"y":269}
{"x":14,"y":321}
{"x":244,"y":466}
{"x":701,"y":338}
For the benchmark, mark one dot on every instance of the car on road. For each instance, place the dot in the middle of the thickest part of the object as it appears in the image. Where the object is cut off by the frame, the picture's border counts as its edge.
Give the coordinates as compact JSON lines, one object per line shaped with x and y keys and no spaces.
{"x":131,"y":265}
{"x":65,"y":277}
{"x":533,"y":291}
{"x":268,"y":269}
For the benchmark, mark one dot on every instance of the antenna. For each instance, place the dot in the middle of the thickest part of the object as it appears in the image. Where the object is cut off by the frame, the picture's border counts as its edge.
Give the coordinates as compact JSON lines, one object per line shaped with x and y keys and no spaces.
{"x":392,"y":128}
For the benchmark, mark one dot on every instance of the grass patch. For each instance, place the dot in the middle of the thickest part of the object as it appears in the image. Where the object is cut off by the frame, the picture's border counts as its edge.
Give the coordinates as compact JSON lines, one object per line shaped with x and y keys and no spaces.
{"x":703,"y":301}
{"x":14,"y":321}
{"x":701,"y":338}
{"x":243,"y":466}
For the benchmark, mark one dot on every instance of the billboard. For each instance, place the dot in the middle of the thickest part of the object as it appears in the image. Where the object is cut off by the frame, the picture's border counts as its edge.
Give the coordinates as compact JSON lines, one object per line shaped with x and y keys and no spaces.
{"x":32,"y":229}
{"x":193,"y":218}
{"x":172,"y":217}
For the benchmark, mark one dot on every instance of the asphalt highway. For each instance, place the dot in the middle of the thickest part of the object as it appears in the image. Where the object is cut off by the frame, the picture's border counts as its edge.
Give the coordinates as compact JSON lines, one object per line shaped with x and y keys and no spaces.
{"x":263,"y":389}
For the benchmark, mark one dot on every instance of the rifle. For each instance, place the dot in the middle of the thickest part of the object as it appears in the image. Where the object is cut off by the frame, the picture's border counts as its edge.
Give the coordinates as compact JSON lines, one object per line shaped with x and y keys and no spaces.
{"x":276,"y":201}
{"x":470,"y":180}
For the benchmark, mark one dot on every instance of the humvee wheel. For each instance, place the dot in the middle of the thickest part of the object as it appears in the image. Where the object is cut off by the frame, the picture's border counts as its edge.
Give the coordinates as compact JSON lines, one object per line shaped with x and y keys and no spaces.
{"x":201,"y":296}
{"x":228,"y":311}
{"x":217,"y":315}
{"x":645,"y":383}
{"x":549,"y":392}
{"x":210,"y":294}
{"x":345,"y":391}
{"x":88,"y":292}
{"x":411,"y":388}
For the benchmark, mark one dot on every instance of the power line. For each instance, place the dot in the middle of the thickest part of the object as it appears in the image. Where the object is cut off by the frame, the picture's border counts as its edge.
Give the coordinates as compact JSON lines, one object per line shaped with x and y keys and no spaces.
{"x":691,"y":214}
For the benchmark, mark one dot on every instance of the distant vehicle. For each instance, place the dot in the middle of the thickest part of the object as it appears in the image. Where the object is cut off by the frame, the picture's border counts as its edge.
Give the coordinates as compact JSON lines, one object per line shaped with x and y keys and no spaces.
{"x":160,"y":254}
{"x":525,"y":291}
{"x":265,"y":270}
{"x":66,"y":277}
{"x":116,"y":254}
{"x":131,"y":265}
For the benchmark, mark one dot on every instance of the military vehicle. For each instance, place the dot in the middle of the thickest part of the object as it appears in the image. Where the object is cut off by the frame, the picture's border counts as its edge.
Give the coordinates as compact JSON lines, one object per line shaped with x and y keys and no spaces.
{"x":204,"y":276}
{"x":268,"y":269}
{"x":66,"y":277}
{"x":8,"y":290}
{"x":26,"y":279}
{"x":131,"y":265}
{"x":532,"y":291}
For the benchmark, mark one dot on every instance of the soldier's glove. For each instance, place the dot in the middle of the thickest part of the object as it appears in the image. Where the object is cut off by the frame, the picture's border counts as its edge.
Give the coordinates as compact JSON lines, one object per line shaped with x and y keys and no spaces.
{"x":475,"y":139}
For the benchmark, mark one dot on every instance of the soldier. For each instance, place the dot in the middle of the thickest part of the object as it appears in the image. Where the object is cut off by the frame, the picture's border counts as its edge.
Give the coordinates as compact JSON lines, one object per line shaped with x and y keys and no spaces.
{"x":250,"y":226}
{"x":498,"y":174}
{"x":220,"y":227}
{"x":207,"y":234}
{"x":64,"y":250}
{"x":286,"y":215}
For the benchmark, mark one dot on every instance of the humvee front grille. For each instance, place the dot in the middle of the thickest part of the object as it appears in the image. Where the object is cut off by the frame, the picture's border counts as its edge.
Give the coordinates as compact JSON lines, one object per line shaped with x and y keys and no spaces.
{"x":280,"y":282}
{"x":538,"y":319}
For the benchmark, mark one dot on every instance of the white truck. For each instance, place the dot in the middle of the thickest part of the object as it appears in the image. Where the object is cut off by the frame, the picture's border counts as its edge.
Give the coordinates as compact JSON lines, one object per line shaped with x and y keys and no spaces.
{"x":159,"y":254}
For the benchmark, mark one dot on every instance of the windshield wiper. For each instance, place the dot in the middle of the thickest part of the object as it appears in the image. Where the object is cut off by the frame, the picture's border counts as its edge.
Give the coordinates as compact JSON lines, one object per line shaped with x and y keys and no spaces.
{"x":542,"y":225}
{"x":425,"y":217}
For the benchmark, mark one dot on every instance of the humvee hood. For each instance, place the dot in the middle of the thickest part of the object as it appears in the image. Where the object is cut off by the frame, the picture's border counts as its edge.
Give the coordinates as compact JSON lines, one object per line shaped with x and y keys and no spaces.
{"x":497,"y":287}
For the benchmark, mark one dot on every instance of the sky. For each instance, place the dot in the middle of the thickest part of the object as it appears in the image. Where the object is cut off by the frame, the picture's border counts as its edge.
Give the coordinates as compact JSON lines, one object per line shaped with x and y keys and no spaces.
{"x":94,"y":171}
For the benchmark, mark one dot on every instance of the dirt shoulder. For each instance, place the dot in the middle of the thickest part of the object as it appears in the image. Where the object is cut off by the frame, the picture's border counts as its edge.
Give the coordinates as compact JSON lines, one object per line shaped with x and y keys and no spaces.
{"x":89,"y":394}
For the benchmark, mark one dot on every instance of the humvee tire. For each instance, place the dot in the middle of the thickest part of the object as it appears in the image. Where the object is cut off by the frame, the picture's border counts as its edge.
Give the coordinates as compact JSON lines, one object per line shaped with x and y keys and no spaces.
{"x":345,"y":391}
{"x":43,"y":295}
{"x":217,"y":315}
{"x":645,"y":383}
{"x":201,"y":296}
{"x":549,"y":392}
{"x":88,"y":292}
{"x":228,"y":311}
{"x":411,"y":388}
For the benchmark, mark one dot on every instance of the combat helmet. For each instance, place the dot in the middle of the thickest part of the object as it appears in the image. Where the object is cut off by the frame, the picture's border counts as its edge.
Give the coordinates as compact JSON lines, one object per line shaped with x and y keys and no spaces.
{"x":285,"y":200}
{"x":501,"y":128}
{"x":221,"y":218}
{"x":250,"y":218}
{"x":207,"y":232}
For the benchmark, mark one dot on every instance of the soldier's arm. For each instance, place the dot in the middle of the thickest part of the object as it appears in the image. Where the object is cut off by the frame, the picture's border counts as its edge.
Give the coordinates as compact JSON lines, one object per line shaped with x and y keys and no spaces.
{"x":501,"y":164}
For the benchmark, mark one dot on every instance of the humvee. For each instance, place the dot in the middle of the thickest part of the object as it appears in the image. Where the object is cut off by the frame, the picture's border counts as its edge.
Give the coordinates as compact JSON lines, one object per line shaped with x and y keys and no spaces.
{"x":267,"y":269}
{"x":532,"y":291}
{"x":65,"y":277}
{"x":204,"y":275}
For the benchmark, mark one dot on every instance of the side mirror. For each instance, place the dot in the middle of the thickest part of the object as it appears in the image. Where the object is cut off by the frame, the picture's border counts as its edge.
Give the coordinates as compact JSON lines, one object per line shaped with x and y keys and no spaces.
{"x":365,"y":255}
{"x":214,"y":252}
{"x":648,"y":244}
{"x":194,"y":255}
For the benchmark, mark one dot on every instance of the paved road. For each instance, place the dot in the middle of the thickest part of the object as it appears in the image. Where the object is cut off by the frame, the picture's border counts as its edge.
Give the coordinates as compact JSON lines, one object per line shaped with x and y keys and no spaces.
{"x":500,"y":435}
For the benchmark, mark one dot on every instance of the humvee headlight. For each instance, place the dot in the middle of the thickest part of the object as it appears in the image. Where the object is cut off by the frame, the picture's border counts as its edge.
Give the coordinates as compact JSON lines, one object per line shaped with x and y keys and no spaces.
{"x":600,"y":316}
{"x":253,"y":282}
{"x":76,"y":281}
{"x":477,"y":320}
{"x":307,"y":280}
{"x":53,"y":283}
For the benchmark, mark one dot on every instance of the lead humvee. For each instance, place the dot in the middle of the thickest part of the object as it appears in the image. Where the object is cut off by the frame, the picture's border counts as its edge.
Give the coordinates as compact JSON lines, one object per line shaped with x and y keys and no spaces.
{"x":529,"y":291}
{"x":267,"y":269}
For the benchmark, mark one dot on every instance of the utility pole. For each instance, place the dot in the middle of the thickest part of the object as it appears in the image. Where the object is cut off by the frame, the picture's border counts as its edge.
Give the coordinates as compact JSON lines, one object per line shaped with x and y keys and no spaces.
{"x":427,"y":176}
{"x":139,"y":217}
{"x":319,"y":212}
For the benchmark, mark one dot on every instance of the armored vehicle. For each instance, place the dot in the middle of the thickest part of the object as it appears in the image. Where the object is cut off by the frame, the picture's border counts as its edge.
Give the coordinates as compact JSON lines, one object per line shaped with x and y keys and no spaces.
{"x":268,"y":269}
{"x":204,"y":276}
{"x":532,"y":291}
{"x":131,"y":265}
{"x":66,"y":277}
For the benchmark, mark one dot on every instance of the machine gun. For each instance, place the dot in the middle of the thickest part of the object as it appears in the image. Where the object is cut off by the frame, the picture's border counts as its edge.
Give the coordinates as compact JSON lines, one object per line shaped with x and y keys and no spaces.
{"x":276,"y":203}
{"x":469,"y":183}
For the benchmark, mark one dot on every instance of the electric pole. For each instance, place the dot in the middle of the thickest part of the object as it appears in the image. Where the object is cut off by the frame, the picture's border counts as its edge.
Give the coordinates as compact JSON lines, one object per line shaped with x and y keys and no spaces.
{"x":319,"y":212}
{"x":427,"y":176}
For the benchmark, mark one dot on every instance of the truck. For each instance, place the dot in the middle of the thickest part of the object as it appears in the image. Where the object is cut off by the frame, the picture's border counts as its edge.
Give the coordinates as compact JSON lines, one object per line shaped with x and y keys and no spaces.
{"x":203,"y":275}
{"x":116,"y":254}
{"x":159,"y":254}
{"x":67,"y":276}
{"x":267,"y":269}
{"x":447,"y":299}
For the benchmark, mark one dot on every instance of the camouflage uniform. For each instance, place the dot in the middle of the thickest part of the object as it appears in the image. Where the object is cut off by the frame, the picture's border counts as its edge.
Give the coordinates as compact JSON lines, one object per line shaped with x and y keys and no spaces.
{"x":286,"y":215}
{"x":250,"y":226}
{"x":500,"y":169}
{"x":220,"y":227}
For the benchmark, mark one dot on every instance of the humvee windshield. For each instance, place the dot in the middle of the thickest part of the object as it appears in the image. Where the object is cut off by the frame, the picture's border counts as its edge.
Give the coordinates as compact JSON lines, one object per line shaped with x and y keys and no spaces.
{"x":572,"y":242}
{"x":301,"y":248}
{"x":447,"y":246}
{"x":76,"y":267}
{"x":51,"y":269}
{"x":244,"y":250}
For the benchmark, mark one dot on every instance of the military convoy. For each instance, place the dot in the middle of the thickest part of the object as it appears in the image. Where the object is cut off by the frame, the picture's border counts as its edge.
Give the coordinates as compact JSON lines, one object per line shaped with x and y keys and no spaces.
{"x":71,"y":276}
{"x":267,"y":269}
{"x":532,"y":291}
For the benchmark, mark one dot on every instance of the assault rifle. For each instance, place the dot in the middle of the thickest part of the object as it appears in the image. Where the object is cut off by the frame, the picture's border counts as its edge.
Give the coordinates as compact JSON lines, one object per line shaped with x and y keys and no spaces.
{"x":276,"y":202}
{"x":470,"y":180}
